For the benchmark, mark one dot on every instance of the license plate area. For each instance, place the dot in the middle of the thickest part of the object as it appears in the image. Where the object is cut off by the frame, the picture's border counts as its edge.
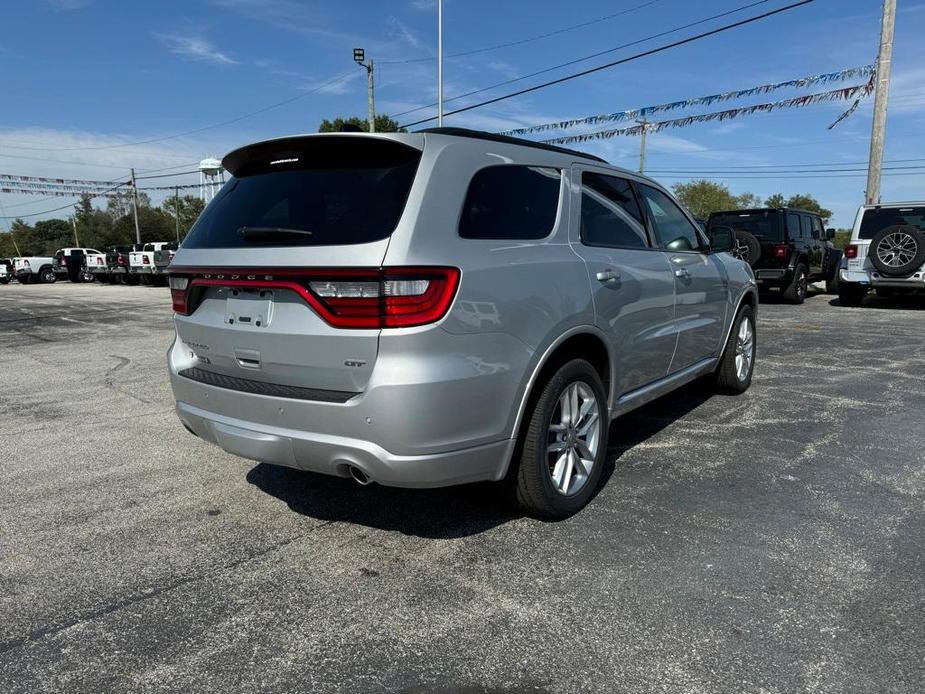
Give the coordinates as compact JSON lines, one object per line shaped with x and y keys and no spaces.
{"x":249,"y":308}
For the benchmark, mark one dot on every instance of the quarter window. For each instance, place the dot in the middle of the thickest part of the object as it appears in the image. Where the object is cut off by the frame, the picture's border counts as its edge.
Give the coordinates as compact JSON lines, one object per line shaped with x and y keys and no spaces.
{"x":673,"y":229}
{"x":793,"y":226}
{"x":511,"y":202}
{"x":610,"y":215}
{"x":806,"y":224}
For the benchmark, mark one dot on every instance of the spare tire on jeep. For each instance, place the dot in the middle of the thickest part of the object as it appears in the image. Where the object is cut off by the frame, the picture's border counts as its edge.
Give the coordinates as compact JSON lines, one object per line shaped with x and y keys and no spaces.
{"x":746,"y":247}
{"x":897,"y":250}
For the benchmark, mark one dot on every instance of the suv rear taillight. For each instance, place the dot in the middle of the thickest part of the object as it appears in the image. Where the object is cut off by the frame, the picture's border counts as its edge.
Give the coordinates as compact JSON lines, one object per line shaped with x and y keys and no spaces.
{"x":145,"y":260}
{"x":398,"y":297}
{"x":851,"y":251}
{"x":781,"y":251}
{"x":120,"y":259}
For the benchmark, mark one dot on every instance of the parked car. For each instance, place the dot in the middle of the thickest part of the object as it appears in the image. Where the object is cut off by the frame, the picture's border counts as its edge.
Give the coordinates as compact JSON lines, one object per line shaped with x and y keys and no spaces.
{"x":325,"y":313}
{"x":886,"y":252}
{"x":788,"y":249}
{"x":6,"y":270}
{"x":143,"y":263}
{"x":29,"y":269}
{"x":117,"y":263}
{"x":74,"y":263}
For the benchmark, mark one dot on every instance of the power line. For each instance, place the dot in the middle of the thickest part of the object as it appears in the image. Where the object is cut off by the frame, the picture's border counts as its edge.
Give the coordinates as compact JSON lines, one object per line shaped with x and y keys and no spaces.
{"x":744,"y":168}
{"x":167,"y":175}
{"x":63,"y":207}
{"x":530,"y":39}
{"x":788,"y":178}
{"x":761,"y":173}
{"x":583,"y":59}
{"x":196,"y":130}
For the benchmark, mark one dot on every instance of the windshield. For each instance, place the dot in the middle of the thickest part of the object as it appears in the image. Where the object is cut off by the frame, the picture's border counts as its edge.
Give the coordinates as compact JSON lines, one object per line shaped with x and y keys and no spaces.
{"x":877,"y":219}
{"x":764,"y":225}
{"x":339,"y":192}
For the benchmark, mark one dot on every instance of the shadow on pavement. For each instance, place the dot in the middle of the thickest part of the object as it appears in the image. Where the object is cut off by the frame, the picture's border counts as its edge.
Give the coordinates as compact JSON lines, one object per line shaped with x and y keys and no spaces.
{"x":451,"y":512}
{"x":911,"y":302}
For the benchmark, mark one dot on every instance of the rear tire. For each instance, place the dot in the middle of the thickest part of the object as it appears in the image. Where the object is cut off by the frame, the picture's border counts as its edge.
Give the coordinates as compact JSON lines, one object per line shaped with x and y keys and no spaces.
{"x":47,"y":276}
{"x":4,"y":280}
{"x":736,"y":366}
{"x":795,"y":292}
{"x":131,"y":280}
{"x":554,"y":453}
{"x":851,"y":293}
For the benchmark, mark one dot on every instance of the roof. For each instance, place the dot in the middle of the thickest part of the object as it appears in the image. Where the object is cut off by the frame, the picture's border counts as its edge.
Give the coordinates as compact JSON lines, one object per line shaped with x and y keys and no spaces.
{"x":493,"y":137}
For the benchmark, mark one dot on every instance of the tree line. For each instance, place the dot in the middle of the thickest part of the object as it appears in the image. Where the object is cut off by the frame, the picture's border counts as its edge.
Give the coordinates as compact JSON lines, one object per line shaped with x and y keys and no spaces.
{"x":91,"y":227}
{"x":703,"y":197}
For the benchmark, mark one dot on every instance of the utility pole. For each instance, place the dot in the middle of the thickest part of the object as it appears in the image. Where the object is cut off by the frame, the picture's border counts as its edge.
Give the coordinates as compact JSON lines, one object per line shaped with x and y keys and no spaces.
{"x":359,"y":57}
{"x":642,"y":145}
{"x":881,"y":97}
{"x":135,"y":209}
{"x":74,"y":224}
{"x":176,"y":208}
{"x":439,"y":63}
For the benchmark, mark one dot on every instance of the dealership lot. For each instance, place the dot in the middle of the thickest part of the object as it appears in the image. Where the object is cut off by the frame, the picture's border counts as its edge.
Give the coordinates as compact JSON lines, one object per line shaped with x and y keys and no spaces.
{"x":771,"y":542}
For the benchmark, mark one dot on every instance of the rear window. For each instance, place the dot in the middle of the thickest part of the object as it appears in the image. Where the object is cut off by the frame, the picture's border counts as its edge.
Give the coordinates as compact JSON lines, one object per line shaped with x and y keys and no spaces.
{"x":764,"y":225}
{"x":876,"y":220}
{"x":511,"y":202}
{"x":322,"y":191}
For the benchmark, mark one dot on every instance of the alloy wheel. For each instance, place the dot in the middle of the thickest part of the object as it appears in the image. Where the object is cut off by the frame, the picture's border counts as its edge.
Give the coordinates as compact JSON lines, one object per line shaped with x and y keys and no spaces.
{"x":573,"y":438}
{"x":897,"y":249}
{"x":745,"y":350}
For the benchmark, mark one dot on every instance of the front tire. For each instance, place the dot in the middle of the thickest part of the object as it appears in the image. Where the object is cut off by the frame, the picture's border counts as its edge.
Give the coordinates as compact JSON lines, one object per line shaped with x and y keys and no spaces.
{"x":795,"y":292}
{"x":851,"y":293}
{"x":734,"y":373}
{"x":564,"y":444}
{"x":48,"y":276}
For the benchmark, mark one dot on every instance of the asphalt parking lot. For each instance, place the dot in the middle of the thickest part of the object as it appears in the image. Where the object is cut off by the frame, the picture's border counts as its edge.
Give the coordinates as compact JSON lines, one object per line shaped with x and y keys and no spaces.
{"x":773,"y":542}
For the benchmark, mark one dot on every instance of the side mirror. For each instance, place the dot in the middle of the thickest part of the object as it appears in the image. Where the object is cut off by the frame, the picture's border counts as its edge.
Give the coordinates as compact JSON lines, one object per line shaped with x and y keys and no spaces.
{"x":722,"y":239}
{"x":829,"y":234}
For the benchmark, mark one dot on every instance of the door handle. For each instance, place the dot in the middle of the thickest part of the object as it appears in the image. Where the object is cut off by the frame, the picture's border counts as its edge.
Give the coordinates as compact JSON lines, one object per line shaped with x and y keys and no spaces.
{"x":682,"y":273}
{"x":607,"y":276}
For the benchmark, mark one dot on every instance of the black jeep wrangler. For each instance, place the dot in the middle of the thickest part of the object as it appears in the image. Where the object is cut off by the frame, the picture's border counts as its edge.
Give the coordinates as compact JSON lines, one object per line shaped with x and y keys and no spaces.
{"x":788,"y":249}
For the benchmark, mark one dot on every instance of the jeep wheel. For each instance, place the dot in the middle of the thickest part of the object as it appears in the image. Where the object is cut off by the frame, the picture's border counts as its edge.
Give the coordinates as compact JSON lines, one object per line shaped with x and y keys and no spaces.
{"x":734,"y":373}
{"x":897,"y":251}
{"x":851,"y":293}
{"x":4,"y":280}
{"x":746,"y":248}
{"x":564,"y":444}
{"x":795,"y":293}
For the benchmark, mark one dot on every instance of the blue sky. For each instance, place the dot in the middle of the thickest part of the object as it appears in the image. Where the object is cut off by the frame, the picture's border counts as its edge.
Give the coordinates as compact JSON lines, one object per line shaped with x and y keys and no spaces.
{"x":76,"y":74}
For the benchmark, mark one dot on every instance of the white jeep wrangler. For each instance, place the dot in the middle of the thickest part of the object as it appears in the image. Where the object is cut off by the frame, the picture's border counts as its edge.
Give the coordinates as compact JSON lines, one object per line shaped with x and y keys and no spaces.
{"x":886,"y":252}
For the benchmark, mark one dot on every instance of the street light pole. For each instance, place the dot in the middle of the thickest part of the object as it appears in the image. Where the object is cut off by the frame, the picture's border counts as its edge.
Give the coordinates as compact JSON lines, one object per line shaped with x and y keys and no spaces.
{"x":881,"y":97}
{"x":439,"y":63}
{"x":359,"y":57}
{"x":135,"y":208}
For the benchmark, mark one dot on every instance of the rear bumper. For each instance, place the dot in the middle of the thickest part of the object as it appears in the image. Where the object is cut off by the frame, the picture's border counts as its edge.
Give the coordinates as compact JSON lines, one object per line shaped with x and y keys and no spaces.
{"x":335,"y":455}
{"x":875,"y":279}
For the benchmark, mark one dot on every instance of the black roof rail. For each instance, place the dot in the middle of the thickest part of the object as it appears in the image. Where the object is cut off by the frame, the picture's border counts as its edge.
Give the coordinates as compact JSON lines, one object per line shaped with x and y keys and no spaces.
{"x":493,"y":137}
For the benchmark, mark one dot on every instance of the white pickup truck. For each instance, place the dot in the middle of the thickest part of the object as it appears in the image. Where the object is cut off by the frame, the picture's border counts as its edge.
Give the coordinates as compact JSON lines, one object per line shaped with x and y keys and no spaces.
{"x":149,"y":265}
{"x":74,"y":263}
{"x":6,"y":270}
{"x":34,"y":269}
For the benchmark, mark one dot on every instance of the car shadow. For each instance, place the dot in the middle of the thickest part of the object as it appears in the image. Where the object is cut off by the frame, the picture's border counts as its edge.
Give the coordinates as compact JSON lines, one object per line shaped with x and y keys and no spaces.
{"x":451,"y":512}
{"x":911,"y":302}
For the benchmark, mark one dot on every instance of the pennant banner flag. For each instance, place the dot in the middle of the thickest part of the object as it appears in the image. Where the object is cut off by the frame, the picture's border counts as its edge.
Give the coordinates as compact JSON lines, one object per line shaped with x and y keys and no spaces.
{"x":632,"y":114}
{"x":57,"y":181}
{"x":843,"y":94}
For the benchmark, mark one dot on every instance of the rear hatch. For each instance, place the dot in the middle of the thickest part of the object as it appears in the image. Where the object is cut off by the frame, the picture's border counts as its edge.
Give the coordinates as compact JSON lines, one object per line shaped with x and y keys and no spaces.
{"x":767,"y":228}
{"x":872,"y":222}
{"x":278,"y":279}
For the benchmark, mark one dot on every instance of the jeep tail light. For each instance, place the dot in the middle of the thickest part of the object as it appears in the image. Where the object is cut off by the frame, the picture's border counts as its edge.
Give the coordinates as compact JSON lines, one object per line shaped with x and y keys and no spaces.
{"x":781,"y":251}
{"x":120,"y":259}
{"x":851,"y":251}
{"x":179,"y":294}
{"x":145,"y":260}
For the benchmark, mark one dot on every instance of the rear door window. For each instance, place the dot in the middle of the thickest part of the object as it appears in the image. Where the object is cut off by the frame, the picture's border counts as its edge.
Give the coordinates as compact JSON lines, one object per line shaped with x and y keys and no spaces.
{"x":318,"y":191}
{"x":806,"y":226}
{"x":762,"y":224}
{"x":511,"y":202}
{"x":610,"y":214}
{"x":793,"y":226}
{"x":876,"y":220}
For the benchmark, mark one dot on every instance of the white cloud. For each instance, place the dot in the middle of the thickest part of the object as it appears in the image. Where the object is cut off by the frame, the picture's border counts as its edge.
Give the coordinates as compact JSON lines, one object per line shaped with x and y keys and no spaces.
{"x":403,"y":33}
{"x":287,"y":15}
{"x":195,"y":48}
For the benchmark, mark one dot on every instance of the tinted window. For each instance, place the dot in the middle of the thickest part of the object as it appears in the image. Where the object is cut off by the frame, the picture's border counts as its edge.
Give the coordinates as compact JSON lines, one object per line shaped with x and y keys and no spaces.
{"x":763,"y":225}
{"x":672,"y":228}
{"x":818,"y":233}
{"x":610,"y":215}
{"x":340,"y":190}
{"x":793,"y":225}
{"x":511,"y":202}
{"x":874,"y":221}
{"x":806,"y":226}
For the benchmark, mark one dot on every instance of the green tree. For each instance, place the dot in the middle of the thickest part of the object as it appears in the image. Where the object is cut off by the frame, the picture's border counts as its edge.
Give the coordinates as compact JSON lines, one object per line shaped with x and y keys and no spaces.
{"x":800,"y":201}
{"x":748,"y":201}
{"x":189,"y":207}
{"x":776,"y":200}
{"x":703,"y":197}
{"x":384,"y":124}
{"x":53,"y":234}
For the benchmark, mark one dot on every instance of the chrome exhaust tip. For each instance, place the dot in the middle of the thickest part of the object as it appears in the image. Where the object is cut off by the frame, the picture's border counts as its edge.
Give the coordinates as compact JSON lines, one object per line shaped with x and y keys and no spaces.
{"x":361,"y":477}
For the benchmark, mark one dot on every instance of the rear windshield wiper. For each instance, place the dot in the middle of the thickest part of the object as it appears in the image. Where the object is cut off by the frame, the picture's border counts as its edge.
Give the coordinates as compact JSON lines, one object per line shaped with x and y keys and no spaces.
{"x":269,"y":232}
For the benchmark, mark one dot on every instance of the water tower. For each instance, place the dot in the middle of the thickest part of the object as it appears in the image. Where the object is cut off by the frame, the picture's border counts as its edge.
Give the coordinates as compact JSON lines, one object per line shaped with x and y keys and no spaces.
{"x":211,"y":178}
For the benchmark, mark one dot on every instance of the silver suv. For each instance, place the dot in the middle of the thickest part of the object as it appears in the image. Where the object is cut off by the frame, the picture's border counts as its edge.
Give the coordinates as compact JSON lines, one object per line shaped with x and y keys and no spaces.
{"x":443,"y":307}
